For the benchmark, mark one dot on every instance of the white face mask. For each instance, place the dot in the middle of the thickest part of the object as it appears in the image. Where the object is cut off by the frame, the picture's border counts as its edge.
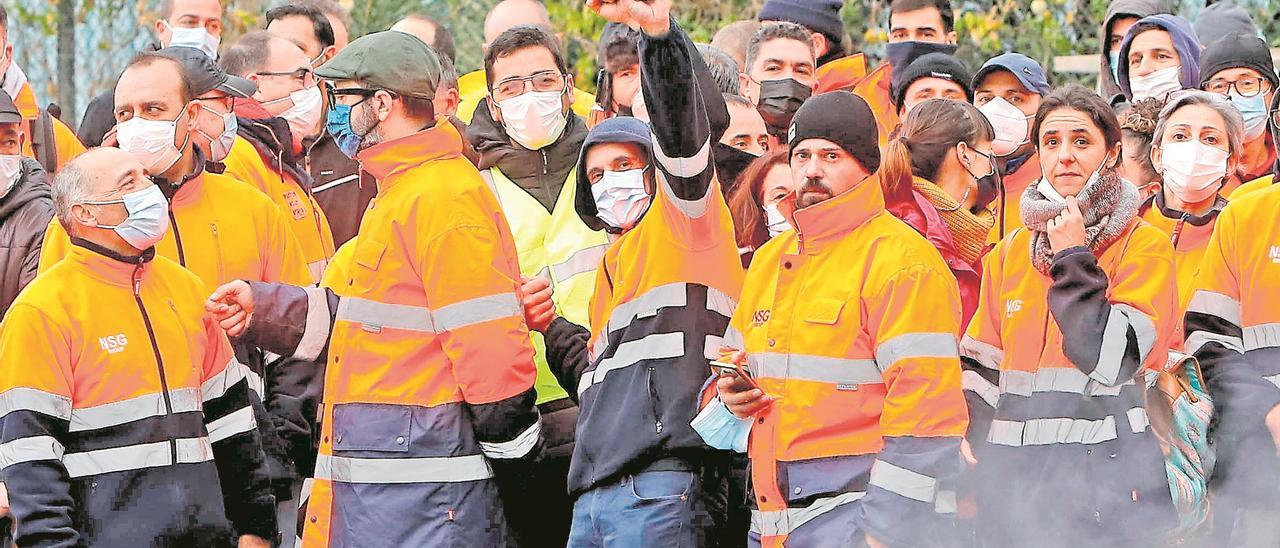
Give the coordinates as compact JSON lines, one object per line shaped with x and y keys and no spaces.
{"x":304,"y":115}
{"x":620,"y":198}
{"x":220,"y":146}
{"x":197,"y":38}
{"x":1157,"y":84}
{"x":151,"y":142}
{"x":534,"y":119}
{"x":1193,"y":171}
{"x":1011,"y":126}
{"x":148,"y":218}
{"x":775,"y":223}
{"x":10,"y":170}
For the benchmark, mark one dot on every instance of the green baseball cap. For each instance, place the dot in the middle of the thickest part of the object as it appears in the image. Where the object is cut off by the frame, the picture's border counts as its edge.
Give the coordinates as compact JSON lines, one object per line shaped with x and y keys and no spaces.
{"x":390,"y":60}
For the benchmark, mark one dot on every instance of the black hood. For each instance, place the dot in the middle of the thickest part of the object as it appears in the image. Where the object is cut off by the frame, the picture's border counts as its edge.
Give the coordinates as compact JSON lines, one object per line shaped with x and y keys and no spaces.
{"x":273,"y":140}
{"x":541,"y":173}
{"x":32,"y":184}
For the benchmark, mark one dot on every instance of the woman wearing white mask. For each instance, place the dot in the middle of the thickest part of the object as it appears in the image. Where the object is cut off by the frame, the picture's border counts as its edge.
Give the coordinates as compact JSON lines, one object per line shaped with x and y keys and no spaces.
{"x":1239,"y":67}
{"x":1159,"y":55}
{"x":1074,"y":306}
{"x":1196,"y":150}
{"x":1008,"y":90}
{"x":753,"y":204}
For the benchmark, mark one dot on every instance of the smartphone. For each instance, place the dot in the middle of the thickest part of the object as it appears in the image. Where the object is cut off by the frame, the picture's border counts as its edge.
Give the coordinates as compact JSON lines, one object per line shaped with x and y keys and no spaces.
{"x":726,"y":369}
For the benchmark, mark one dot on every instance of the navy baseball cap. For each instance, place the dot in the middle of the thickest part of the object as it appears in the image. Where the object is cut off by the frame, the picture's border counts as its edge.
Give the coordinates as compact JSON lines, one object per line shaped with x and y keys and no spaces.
{"x":1024,"y":68}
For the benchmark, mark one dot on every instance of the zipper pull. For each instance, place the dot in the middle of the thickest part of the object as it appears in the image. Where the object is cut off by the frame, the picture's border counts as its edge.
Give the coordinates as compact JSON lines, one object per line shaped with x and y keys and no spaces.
{"x":658,"y":426}
{"x":137,"y":279}
{"x":1177,"y":230}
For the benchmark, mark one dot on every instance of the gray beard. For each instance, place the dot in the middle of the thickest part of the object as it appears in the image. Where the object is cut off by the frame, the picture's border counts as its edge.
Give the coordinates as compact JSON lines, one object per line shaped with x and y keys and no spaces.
{"x":371,"y":135}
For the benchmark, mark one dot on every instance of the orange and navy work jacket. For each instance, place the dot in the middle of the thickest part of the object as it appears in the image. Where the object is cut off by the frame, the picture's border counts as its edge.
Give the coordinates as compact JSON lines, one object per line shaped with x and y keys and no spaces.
{"x":1189,"y":235}
{"x":851,"y":320}
{"x":125,"y":419}
{"x":429,"y":378}
{"x":876,"y":90}
{"x":1233,"y":328}
{"x":1059,"y":428}
{"x":841,"y":74}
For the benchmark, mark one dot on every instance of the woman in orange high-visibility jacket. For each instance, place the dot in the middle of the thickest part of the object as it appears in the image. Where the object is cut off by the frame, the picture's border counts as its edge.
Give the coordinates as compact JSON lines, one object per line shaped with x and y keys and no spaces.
{"x":1233,"y":328}
{"x":1073,"y":306}
{"x":1197,"y":143}
{"x":858,"y":429}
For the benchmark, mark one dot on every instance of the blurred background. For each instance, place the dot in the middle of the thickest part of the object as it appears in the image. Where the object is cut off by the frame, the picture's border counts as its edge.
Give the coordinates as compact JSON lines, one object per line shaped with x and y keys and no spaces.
{"x":72,"y":50}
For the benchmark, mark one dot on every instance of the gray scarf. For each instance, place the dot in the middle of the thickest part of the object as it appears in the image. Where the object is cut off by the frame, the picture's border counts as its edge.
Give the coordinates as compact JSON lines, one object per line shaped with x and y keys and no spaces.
{"x":1108,"y":204}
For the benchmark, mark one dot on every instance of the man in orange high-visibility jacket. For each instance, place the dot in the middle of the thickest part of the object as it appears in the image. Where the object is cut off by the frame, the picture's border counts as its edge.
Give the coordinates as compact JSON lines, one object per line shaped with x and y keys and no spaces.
{"x":836,"y":71}
{"x":429,"y":380}
{"x":49,"y":141}
{"x":856,"y":423}
{"x":125,"y":419}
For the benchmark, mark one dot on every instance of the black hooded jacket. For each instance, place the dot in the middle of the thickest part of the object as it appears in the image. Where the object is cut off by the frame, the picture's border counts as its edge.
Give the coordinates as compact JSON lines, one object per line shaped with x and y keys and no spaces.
{"x":541,"y":173}
{"x":25,"y":212}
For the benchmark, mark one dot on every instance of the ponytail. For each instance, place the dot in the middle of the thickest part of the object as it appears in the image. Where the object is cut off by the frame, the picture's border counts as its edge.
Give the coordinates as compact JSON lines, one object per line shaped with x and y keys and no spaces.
{"x":927,"y":135}
{"x":895,"y":166}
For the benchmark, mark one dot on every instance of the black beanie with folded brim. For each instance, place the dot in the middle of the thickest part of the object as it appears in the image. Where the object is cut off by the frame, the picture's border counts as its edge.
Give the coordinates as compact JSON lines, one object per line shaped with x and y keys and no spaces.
{"x":1238,"y":51}
{"x":933,"y":65}
{"x":842,"y":118}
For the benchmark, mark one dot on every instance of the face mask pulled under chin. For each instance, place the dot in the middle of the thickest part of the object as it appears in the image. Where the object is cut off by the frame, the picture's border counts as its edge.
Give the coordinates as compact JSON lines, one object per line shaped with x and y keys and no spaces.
{"x":1158,"y":84}
{"x":197,"y":38}
{"x":779,"y":101}
{"x":534,"y":119}
{"x":621,"y":199}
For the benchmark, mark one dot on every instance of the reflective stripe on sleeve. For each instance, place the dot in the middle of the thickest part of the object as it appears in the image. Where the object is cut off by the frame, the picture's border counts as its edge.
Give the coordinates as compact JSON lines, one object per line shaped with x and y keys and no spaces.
{"x":107,"y":415}
{"x":582,"y":261}
{"x":647,"y":305}
{"x":30,"y":449}
{"x":907,"y":483}
{"x":916,"y":345}
{"x":734,"y":339}
{"x":216,"y":386}
{"x":408,"y":470}
{"x":233,"y":423}
{"x":1051,"y":431}
{"x":784,"y":522}
{"x":316,"y":268}
{"x":1115,"y":339}
{"x":1215,"y":304}
{"x":317,"y":327}
{"x":653,"y":347}
{"x":1138,"y":420}
{"x":975,"y":383}
{"x":1200,"y":338}
{"x":842,"y":372}
{"x":137,"y":457}
{"x":515,"y":448}
{"x":1055,"y":379}
{"x":1260,"y":336}
{"x":373,"y":316}
{"x":476,"y":311}
{"x":30,"y":399}
{"x":987,"y":355}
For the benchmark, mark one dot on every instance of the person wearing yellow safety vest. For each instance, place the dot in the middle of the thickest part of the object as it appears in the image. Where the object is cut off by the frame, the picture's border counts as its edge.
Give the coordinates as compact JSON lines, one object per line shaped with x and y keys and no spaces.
{"x":640,"y":476}
{"x":125,"y":419}
{"x":428,"y":393}
{"x":853,"y":408}
{"x":528,"y":140}
{"x":287,"y":109}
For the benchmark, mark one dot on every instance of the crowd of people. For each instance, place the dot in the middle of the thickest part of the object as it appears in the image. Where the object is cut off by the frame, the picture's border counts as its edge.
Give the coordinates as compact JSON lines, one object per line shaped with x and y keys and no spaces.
{"x":309,"y":289}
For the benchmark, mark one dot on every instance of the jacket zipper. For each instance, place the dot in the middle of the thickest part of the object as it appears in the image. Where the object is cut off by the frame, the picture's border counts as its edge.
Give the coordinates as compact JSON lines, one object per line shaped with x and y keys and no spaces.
{"x":653,"y":402}
{"x":155,"y":348}
{"x":1177,"y":230}
{"x":217,"y":248}
{"x":177,"y":237}
{"x":546,"y":188}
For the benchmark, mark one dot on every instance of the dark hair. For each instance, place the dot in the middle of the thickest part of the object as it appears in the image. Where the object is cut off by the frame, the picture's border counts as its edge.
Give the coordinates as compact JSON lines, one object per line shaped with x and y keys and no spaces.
{"x":1138,"y":121}
{"x":442,"y":38}
{"x":943,"y":7}
{"x":248,"y":54}
{"x":448,"y":74}
{"x":733,"y":99}
{"x":331,"y":8}
{"x":4,"y":18}
{"x":619,"y":48}
{"x":149,"y":58}
{"x":1077,"y":97}
{"x":417,"y":109}
{"x":929,"y":132}
{"x":320,"y":26}
{"x":744,"y":202}
{"x":724,"y":70}
{"x":774,"y":30}
{"x":517,"y":38}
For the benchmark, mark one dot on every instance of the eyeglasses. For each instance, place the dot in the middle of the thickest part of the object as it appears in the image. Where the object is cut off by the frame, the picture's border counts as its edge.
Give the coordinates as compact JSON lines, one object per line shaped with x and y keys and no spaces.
{"x":547,"y":80}
{"x":1247,"y":87}
{"x":304,"y":75}
{"x":362,"y":93}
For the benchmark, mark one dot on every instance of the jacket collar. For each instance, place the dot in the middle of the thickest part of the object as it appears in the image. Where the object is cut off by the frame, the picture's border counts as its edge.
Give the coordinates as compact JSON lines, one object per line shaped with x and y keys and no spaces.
{"x":838,"y":216}
{"x":172,"y":189}
{"x":1157,"y":201}
{"x":388,"y":159}
{"x":108,"y":265}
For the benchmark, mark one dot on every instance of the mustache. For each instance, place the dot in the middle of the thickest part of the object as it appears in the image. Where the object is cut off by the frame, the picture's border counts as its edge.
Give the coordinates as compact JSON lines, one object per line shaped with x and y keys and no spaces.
{"x":814,"y":184}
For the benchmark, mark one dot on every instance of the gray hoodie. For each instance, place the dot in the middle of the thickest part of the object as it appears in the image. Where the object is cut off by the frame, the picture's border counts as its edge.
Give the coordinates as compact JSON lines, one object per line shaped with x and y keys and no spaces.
{"x":1107,"y":86}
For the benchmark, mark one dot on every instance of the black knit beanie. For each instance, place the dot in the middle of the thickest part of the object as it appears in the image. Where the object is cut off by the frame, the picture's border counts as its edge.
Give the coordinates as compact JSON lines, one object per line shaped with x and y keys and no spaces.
{"x":816,"y":15}
{"x":932,"y":65}
{"x":842,"y":118}
{"x":1237,"y":51}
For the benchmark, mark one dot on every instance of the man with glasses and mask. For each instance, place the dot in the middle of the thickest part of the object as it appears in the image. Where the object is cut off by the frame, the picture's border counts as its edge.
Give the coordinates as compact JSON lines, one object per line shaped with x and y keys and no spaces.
{"x":1239,"y":67}
{"x":428,"y":392}
{"x":780,"y":73}
{"x":49,"y":141}
{"x":528,"y":139}
{"x":189,"y":23}
{"x":287,"y":109}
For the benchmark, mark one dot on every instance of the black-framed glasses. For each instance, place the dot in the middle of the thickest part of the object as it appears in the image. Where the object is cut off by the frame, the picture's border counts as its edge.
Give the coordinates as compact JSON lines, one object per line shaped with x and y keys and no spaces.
{"x":1246,"y":87}
{"x":304,"y":75}
{"x":547,"y":80}
{"x":362,"y":93}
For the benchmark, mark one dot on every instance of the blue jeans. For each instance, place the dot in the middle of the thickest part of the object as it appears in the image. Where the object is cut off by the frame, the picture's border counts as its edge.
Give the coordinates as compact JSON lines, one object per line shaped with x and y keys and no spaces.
{"x":659,"y":509}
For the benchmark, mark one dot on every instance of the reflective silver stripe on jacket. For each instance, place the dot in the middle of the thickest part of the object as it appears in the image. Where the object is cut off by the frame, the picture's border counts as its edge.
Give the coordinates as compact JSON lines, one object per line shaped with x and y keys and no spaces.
{"x":407,"y":470}
{"x":916,"y":345}
{"x":1063,"y":430}
{"x":476,"y":311}
{"x":581,"y":261}
{"x":1115,"y":339}
{"x":216,"y":386}
{"x":1056,"y":379}
{"x":899,"y":480}
{"x":653,"y":347}
{"x":1215,"y":304}
{"x":1260,"y":336}
{"x":374,"y":316}
{"x":315,"y":332}
{"x":838,"y":371}
{"x":236,"y":422}
{"x":987,"y":355}
{"x":137,"y":457}
{"x":516,"y":447}
{"x":30,"y":449}
{"x":30,"y":399}
{"x":973,"y":382}
{"x":182,"y":400}
{"x":784,"y":522}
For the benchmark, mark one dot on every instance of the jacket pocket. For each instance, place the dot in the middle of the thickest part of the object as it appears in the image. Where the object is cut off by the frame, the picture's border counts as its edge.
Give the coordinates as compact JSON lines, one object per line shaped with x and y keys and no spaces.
{"x":369,"y":253}
{"x":824,"y":310}
{"x":372,"y":427}
{"x":661,"y":485}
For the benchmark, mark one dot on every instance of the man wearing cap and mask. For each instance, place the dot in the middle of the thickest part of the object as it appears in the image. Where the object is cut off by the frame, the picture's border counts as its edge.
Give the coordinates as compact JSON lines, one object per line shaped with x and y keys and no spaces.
{"x":49,"y":141}
{"x":1239,"y":67}
{"x":187,"y":23}
{"x":780,"y":73}
{"x":429,"y":383}
{"x":930,"y":76}
{"x":836,"y":69}
{"x":1008,"y":90}
{"x":854,"y":419}
{"x":665,"y":288}
{"x":26,"y":207}
{"x":287,"y":109}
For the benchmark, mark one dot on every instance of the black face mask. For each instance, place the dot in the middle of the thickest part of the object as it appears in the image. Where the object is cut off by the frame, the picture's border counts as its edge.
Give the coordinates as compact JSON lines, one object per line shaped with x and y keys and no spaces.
{"x":730,"y":162}
{"x":779,"y":101}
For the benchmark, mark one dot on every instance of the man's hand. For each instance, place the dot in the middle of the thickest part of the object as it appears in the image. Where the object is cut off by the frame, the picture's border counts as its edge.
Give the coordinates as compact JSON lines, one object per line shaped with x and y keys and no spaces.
{"x":535,"y":297}
{"x":966,"y":451}
{"x":653,"y":17}
{"x":741,"y":399}
{"x":250,"y":541}
{"x":873,"y":543}
{"x":1067,"y":230}
{"x":1273,"y":425}
{"x":232,"y":306}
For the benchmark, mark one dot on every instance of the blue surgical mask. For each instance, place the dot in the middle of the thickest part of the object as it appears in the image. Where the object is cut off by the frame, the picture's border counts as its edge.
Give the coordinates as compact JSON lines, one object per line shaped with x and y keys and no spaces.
{"x":338,"y":122}
{"x":720,"y":429}
{"x":1254,"y":111}
{"x":148,"y":218}
{"x":1114,"y":59}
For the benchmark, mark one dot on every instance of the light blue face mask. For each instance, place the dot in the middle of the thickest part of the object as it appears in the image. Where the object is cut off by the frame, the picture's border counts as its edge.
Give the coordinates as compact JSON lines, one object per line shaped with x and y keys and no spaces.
{"x":1254,"y":111}
{"x":148,"y":219}
{"x":720,"y":429}
{"x":1114,"y":59}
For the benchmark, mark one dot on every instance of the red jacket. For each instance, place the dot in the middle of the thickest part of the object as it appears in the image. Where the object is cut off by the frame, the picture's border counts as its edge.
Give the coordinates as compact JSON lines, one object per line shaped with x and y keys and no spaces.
{"x":914,"y":209}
